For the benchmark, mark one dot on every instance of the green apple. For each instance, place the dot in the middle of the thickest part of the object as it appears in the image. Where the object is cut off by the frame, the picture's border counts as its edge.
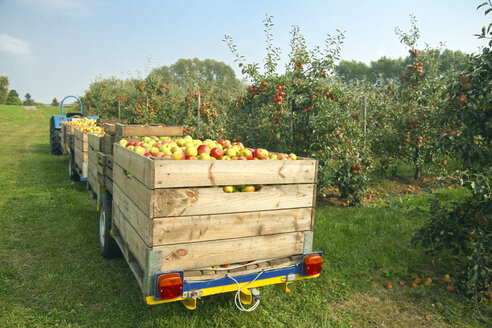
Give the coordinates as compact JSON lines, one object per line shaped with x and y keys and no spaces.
{"x":204,"y":156}
{"x":191,"y":151}
{"x":228,"y":189}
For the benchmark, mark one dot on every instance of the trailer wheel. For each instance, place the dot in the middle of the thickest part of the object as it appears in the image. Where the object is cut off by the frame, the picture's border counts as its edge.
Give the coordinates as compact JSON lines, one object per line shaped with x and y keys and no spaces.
{"x":55,"y":139}
{"x":107,"y":245}
{"x":72,"y":172}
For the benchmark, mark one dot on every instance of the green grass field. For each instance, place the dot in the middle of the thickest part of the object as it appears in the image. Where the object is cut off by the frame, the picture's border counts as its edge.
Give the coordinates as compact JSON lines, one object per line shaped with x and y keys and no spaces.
{"x":51,"y":273}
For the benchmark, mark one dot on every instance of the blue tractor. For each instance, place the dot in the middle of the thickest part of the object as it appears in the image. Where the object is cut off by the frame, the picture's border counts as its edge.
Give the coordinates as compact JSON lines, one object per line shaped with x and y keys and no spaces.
{"x":56,"y":147}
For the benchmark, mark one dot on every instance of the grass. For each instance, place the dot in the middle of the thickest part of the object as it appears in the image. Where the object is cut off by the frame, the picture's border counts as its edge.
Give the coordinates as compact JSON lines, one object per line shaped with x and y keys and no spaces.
{"x":51,"y":273}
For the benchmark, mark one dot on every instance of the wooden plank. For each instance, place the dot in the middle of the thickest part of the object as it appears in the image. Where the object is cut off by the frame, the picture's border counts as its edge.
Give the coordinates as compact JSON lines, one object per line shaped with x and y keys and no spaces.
{"x":173,"y":230}
{"x":92,"y":155}
{"x":195,"y":255}
{"x":134,"y":189}
{"x":197,"y":275}
{"x":109,"y":128}
{"x":170,"y":174}
{"x":108,"y":144}
{"x":79,"y":152}
{"x":100,"y":178}
{"x":135,"y":244}
{"x":141,"y":223}
{"x":147,"y":130}
{"x":81,"y":169}
{"x":202,"y":201}
{"x":139,"y":166}
{"x":82,"y":136}
{"x":93,"y":183}
{"x":109,"y":161}
{"x":95,"y":142}
{"x":108,"y":184}
{"x":102,"y":121}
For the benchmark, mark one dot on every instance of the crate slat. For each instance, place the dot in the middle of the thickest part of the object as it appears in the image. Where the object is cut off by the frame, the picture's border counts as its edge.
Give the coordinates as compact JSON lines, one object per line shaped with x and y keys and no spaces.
{"x":168,"y":173}
{"x":225,"y":226}
{"x":147,"y":130}
{"x":194,"y":255}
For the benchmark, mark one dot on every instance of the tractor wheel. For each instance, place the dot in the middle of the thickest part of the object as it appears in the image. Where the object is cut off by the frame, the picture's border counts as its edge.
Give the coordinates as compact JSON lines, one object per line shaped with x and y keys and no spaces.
{"x":107,"y":245}
{"x":55,"y":139}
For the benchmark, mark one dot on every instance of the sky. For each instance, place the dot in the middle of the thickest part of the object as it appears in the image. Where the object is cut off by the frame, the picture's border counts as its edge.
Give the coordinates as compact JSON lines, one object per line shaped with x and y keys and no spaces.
{"x":56,"y":48}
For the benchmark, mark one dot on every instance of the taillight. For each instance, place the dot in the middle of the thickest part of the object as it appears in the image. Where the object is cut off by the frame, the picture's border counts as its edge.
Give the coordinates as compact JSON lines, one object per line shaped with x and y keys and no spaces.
{"x":170,"y":286}
{"x":313,"y":263}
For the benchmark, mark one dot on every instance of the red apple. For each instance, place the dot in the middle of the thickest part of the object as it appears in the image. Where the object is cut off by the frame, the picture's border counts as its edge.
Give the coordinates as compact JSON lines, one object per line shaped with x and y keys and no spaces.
{"x":246,"y":153}
{"x":261,"y":153}
{"x":191,"y":157}
{"x":461,"y":99}
{"x":217,"y":153}
{"x":178,"y":155}
{"x":203,"y":149}
{"x":148,"y":155}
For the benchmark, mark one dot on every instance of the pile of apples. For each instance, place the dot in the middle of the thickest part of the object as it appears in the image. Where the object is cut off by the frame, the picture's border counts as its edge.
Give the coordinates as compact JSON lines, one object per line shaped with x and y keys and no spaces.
{"x":97,"y":130}
{"x":83,"y":122}
{"x":187,"y":148}
{"x":87,"y":125}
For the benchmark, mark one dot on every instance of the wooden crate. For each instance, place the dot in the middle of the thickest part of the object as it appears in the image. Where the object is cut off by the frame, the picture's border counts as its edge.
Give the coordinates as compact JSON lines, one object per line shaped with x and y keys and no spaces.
{"x":176,"y":214}
{"x":94,"y":167}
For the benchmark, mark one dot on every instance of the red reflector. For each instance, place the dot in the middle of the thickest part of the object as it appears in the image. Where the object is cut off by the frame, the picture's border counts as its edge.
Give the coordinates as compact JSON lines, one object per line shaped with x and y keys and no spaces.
{"x":170,"y":286}
{"x":313,"y":263}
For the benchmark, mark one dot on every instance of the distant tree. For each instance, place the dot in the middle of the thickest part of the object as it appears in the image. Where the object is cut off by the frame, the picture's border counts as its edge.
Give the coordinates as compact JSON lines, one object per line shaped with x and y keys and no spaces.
{"x":55,"y":102}
{"x":207,"y":72}
{"x":13,"y":98}
{"x":4,"y":89}
{"x":28,"y":100}
{"x":353,"y":70}
{"x":386,"y":69}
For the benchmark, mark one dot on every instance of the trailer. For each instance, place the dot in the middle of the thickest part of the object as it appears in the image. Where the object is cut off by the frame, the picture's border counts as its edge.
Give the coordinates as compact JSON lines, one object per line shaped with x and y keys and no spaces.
{"x":184,"y":238}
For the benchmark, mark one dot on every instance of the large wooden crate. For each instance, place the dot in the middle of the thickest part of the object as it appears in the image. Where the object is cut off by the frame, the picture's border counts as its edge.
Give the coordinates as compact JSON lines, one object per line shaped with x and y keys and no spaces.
{"x":174,"y":215}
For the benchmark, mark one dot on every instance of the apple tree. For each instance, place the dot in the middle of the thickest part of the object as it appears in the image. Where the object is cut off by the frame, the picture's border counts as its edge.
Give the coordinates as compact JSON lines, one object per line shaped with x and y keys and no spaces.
{"x":304,"y":110}
{"x":462,"y":231}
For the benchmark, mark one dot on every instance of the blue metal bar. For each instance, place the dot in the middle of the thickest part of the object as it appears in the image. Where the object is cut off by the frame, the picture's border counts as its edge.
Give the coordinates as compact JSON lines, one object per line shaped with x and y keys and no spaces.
{"x":61,"y":104}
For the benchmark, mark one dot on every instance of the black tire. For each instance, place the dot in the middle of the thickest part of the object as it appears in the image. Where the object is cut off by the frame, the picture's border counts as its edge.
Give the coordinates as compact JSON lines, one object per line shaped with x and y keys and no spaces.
{"x":74,"y":115}
{"x":72,"y":172}
{"x":107,"y":245}
{"x":56,"y":147}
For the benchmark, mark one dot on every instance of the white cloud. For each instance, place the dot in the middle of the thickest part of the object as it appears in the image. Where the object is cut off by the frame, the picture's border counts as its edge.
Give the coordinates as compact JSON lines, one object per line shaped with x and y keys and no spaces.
{"x":14,"y":46}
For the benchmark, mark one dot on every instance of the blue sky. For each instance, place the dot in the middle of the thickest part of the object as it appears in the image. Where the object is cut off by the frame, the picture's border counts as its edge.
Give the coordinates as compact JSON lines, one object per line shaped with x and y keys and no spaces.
{"x":53,"y":48}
